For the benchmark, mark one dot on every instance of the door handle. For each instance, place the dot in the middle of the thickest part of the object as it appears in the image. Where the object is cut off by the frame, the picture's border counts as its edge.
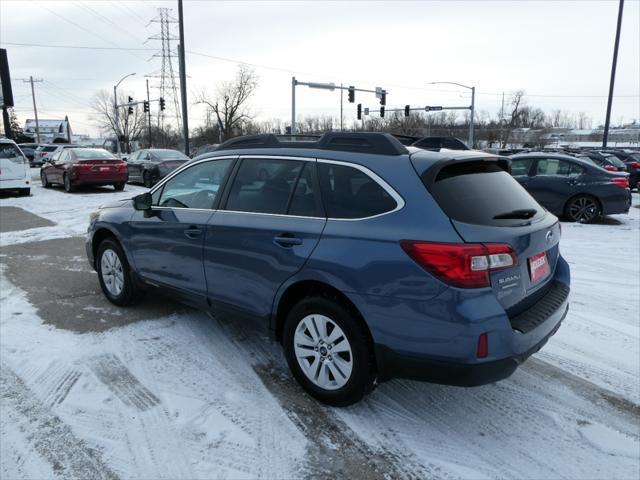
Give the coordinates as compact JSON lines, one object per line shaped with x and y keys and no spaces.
{"x":287,"y":240}
{"x":572,"y":182}
{"x":192,"y":232}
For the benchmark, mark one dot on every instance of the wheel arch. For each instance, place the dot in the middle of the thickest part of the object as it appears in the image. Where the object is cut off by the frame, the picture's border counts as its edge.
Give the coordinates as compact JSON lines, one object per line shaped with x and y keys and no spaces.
{"x":582,"y":194}
{"x":102,"y":233}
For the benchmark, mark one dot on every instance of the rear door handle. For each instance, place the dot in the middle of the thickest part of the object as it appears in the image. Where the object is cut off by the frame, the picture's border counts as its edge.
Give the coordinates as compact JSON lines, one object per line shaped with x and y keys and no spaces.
{"x":287,"y":240}
{"x":572,"y":182}
{"x":192,"y":232}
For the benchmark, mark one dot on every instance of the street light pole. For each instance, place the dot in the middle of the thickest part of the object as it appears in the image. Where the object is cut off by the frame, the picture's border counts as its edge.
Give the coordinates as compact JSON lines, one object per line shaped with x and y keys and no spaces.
{"x":473,"y":107}
{"x":605,"y":136}
{"x":117,"y":113}
{"x":293,"y":105}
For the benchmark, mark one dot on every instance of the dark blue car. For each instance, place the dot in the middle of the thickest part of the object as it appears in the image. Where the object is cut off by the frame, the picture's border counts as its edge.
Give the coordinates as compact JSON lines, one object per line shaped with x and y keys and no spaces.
{"x":572,"y":187}
{"x":365,"y":259}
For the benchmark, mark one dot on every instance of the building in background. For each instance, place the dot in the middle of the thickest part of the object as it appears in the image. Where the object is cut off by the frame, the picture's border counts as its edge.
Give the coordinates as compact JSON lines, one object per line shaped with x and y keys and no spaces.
{"x":51,"y":131}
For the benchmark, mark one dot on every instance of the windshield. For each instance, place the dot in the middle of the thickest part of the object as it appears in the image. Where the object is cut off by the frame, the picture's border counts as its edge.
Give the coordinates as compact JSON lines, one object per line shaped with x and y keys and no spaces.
{"x":168,"y":155}
{"x":92,"y":154}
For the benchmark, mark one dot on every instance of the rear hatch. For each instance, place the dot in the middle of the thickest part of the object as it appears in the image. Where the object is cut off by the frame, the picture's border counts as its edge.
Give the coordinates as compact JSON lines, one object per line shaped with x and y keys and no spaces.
{"x":487,"y":206}
{"x":12,"y":163}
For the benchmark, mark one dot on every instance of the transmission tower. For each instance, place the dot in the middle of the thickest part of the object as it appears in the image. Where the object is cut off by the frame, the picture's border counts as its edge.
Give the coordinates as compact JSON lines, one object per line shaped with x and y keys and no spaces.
{"x":166,"y":77}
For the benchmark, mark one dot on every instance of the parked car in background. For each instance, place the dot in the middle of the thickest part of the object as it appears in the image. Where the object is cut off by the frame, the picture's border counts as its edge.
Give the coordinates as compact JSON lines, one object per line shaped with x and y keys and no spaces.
{"x":204,"y":149}
{"x":150,"y":165}
{"x":73,"y":167}
{"x":43,"y":152}
{"x":359,"y":254}
{"x":14,"y":168}
{"x":607,"y":161}
{"x":29,"y":150}
{"x":436,"y":143}
{"x":632,"y":161}
{"x":572,"y":187}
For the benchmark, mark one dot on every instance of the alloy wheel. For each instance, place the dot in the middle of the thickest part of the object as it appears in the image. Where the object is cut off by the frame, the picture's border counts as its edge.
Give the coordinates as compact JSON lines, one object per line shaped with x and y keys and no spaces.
{"x":323,"y":352}
{"x":112,"y":272}
{"x":583,"y":209}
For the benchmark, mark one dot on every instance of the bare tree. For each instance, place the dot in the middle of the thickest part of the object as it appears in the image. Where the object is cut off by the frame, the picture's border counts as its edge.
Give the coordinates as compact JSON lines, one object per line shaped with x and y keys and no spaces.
{"x":129,"y":126}
{"x":230,"y":102}
{"x":517,"y":102}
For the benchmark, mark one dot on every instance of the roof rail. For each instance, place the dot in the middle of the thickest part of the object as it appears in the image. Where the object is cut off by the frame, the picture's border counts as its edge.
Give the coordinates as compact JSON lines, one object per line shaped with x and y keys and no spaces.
{"x":360,"y":142}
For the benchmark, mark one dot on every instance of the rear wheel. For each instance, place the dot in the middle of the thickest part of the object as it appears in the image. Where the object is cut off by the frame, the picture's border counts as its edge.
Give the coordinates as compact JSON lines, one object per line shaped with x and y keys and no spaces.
{"x":114,"y":274}
{"x":119,"y":187}
{"x":68,"y":186}
{"x":146,"y":179}
{"x":327,"y":351}
{"x":44,"y":181}
{"x":583,"y":209}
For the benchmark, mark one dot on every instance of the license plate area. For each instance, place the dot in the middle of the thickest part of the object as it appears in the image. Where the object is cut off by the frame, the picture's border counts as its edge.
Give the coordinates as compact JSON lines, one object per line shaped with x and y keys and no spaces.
{"x":104,"y":169}
{"x":538,"y":267}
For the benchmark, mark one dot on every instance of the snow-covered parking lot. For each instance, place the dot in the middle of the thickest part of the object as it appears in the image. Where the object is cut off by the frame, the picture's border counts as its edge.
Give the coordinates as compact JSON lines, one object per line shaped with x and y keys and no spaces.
{"x":88,"y":390}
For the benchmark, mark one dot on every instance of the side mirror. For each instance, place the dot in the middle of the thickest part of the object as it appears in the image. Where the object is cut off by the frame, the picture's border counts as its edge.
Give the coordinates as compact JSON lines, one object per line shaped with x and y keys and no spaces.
{"x":142,"y":201}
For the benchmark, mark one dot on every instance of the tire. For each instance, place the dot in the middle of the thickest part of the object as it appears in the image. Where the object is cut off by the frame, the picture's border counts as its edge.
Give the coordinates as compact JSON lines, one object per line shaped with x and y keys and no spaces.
{"x":117,"y":283}
{"x":146,"y":179}
{"x":68,"y":186}
{"x":44,"y":181}
{"x":583,"y":209}
{"x":119,"y":187}
{"x":333,"y":384}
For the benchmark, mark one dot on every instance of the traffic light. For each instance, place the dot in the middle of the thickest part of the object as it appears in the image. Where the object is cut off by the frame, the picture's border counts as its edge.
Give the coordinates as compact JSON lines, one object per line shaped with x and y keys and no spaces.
{"x":352,"y":94}
{"x":130,"y":100}
{"x":359,"y":111}
{"x":383,"y":97}
{"x":130,"y":111}
{"x":406,"y":110}
{"x":161,"y":103}
{"x":381,"y":112}
{"x":145,"y":106}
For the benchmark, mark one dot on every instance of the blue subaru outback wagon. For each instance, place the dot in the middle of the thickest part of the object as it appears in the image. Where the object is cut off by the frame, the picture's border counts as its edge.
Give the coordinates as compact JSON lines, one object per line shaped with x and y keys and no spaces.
{"x":366,"y":259}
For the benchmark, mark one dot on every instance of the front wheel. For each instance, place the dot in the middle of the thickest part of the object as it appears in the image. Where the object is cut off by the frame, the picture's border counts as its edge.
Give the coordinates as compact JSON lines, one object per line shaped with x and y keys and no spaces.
{"x":44,"y":181}
{"x":114,"y":274}
{"x":146,"y":179}
{"x":119,"y":187}
{"x":583,"y":209}
{"x":328,"y":353}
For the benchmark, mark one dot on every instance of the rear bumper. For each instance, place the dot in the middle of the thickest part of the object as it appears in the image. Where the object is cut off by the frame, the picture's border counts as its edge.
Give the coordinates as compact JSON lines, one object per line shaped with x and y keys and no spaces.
{"x":458,"y":374}
{"x":98,"y":179}
{"x":15,"y":184}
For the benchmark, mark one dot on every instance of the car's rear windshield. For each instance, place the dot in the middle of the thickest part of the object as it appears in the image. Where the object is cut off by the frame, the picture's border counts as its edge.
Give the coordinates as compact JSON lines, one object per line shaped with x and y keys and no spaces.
{"x":479,"y":191}
{"x":616,"y":161}
{"x":49,"y":148}
{"x":92,"y":153}
{"x":169,"y":155}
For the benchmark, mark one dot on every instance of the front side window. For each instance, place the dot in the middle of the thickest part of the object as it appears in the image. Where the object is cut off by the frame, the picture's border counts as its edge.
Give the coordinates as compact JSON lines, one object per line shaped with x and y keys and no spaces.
{"x":265,"y":186}
{"x":348,"y":192}
{"x":520,"y":166}
{"x":195,"y":187}
{"x":552,"y":166}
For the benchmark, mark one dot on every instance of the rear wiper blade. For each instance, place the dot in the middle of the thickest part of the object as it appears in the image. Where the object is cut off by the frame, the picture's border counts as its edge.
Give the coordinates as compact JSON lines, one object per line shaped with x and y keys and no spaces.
{"x":524,"y":213}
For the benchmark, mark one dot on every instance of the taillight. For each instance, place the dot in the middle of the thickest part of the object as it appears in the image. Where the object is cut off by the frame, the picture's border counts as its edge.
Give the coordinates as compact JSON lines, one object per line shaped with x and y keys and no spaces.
{"x":611,"y":168}
{"x":621,"y":182}
{"x":483,"y":346}
{"x":121,"y":166}
{"x":634,"y":164}
{"x":462,"y":265}
{"x":42,"y":154}
{"x":82,"y":166}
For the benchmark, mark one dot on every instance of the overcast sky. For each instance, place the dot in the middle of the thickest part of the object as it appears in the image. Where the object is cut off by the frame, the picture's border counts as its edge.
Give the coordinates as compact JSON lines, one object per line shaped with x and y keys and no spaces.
{"x":559,"y":52}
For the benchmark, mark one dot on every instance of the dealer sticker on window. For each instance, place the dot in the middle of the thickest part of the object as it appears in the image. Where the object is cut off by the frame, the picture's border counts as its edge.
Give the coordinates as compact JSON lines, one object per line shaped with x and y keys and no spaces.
{"x":538,"y":267}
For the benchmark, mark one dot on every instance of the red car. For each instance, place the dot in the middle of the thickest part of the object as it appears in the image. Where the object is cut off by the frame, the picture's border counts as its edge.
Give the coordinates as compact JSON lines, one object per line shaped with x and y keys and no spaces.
{"x":73,"y":167}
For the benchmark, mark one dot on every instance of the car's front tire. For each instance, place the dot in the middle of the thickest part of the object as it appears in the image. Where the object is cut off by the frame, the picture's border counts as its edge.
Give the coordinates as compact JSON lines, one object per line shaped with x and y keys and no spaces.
{"x":114,"y":274}
{"x":146,"y":179}
{"x":328,"y":351}
{"x":119,"y":187}
{"x":44,"y":181}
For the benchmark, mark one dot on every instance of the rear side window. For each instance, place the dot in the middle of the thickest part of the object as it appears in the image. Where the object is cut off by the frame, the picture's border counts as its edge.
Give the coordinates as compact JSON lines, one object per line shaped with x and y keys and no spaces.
{"x":9,"y":151}
{"x":476,"y":192}
{"x":520,"y":166}
{"x":348,"y":192}
{"x":552,"y":166}
{"x":264,"y":186}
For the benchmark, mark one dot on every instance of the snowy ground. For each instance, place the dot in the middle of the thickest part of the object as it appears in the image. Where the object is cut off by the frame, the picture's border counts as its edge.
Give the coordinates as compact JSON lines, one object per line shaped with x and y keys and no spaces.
{"x":181,"y":395}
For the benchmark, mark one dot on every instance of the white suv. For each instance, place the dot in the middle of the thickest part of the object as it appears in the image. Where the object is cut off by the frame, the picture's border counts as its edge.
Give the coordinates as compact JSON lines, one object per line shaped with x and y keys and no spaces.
{"x":14,"y":168}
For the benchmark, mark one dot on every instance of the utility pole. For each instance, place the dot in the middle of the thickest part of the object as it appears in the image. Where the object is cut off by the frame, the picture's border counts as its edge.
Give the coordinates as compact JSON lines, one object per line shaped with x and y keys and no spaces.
{"x":149,"y":115}
{"x":35,"y":109}
{"x":183,"y":81}
{"x":293,"y":105}
{"x":341,"y":95}
{"x":605,"y":136}
{"x":472,"y":139}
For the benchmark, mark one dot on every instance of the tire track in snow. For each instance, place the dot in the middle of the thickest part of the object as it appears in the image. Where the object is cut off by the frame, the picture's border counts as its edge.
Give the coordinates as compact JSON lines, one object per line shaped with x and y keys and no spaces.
{"x":56,"y":382}
{"x":50,"y":437}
